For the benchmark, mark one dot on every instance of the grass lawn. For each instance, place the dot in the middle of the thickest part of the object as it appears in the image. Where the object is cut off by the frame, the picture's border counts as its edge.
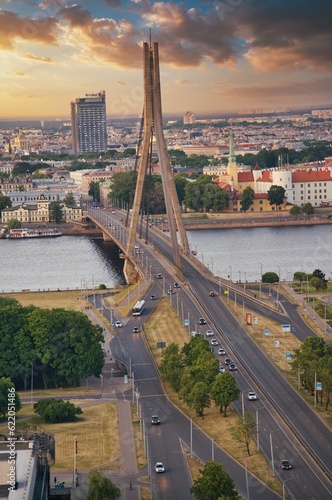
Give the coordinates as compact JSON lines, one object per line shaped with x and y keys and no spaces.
{"x":96,"y":431}
{"x":165,"y":326}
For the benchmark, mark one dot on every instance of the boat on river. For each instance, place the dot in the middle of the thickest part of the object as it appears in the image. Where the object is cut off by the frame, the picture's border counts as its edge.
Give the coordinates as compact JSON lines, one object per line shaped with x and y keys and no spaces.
{"x":33,"y":233}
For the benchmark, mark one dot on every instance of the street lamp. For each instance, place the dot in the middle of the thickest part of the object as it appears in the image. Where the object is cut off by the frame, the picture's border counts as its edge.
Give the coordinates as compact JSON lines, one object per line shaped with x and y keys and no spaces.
{"x":112,"y":370}
{"x":271,"y":446}
{"x":283,"y":487}
{"x":257,"y":427}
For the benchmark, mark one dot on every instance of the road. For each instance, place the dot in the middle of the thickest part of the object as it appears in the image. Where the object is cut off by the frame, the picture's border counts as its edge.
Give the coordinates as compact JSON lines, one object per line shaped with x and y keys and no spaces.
{"x":283,"y":410}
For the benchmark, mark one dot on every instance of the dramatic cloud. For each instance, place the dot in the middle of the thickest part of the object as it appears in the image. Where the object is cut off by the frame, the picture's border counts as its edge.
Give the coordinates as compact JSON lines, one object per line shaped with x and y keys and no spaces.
{"x":188,"y":37}
{"x":13,"y":27}
{"x":114,"y":42}
{"x":287,"y":35}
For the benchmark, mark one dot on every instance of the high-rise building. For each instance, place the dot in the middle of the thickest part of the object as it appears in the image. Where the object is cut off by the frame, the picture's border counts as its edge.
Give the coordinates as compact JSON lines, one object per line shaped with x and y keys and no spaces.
{"x":88,"y":123}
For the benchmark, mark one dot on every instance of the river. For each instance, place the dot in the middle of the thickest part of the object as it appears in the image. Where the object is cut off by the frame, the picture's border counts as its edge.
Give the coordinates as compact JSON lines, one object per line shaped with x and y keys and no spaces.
{"x":70,"y":262}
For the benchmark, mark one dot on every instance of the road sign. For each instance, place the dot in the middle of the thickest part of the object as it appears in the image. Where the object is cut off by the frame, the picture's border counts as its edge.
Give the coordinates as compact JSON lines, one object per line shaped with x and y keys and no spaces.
{"x":186,"y":322}
{"x":276,"y":343}
{"x":266,"y":331}
{"x":285,"y":328}
{"x":288,"y":356}
{"x":255,"y":320}
{"x":319,"y":386}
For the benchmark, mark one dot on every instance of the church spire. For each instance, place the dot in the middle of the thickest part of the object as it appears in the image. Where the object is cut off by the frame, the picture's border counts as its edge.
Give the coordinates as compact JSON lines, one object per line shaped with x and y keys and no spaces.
{"x":231,"y":156}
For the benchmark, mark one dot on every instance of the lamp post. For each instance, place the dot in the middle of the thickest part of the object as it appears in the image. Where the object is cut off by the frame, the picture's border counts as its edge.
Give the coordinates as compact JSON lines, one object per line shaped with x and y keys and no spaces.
{"x":112,"y":370}
{"x":101,"y":385}
{"x":283,"y":487}
{"x":257,"y":427}
{"x":271,"y":446}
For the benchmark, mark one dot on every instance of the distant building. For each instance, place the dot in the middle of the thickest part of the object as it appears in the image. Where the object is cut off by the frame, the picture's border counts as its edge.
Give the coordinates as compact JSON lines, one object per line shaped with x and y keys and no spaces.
{"x":189,"y":118}
{"x":88,"y":123}
{"x":39,"y":212}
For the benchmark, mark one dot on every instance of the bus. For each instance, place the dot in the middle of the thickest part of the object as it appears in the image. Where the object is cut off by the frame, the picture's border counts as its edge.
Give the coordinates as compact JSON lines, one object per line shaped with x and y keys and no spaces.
{"x":138,"y":308}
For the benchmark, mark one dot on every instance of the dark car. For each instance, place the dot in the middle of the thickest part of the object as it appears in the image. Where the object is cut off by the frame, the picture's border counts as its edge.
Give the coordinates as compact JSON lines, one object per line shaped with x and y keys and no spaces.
{"x":212,"y":294}
{"x":155,"y":420}
{"x":228,"y":361}
{"x":176,"y":285}
{"x":232,"y":367}
{"x":285,"y":465}
{"x":159,"y":276}
{"x":135,"y":329}
{"x":153,"y":297}
{"x":202,"y":321}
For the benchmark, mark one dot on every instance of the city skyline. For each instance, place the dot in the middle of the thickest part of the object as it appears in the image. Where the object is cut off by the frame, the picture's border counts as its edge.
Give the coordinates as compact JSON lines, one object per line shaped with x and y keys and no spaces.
{"x":215,"y":56}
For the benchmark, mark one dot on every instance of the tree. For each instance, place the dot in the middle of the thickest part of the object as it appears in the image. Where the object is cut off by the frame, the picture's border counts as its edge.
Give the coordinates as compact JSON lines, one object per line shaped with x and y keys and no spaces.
{"x":244,"y":428}
{"x":14,"y":224}
{"x":276,"y":195}
{"x":180,"y":185}
{"x":56,"y":410}
{"x":94,"y":190}
{"x":69,"y":200}
{"x":123,"y":186}
{"x":101,"y":488}
{"x":295,"y":210}
{"x":224,"y":390}
{"x":214,"y":198}
{"x":319,"y":274}
{"x":214,"y":483}
{"x":299,"y":276}
{"x":318,"y":283}
{"x":308,"y":209}
{"x":199,"y":398}
{"x":270,"y":277}
{"x":9,"y":398}
{"x":172,"y":366}
{"x":56,"y":211}
{"x":247,"y":198}
{"x":5,"y":202}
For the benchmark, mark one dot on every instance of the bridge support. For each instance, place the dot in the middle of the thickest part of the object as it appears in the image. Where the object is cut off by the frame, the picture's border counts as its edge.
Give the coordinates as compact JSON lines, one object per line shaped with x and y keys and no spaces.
{"x":153,"y":128}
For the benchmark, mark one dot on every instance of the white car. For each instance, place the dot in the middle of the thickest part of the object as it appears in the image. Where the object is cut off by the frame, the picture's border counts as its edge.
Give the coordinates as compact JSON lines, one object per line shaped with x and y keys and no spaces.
{"x":222,"y":369}
{"x":159,"y":467}
{"x":214,"y":342}
{"x":209,"y":333}
{"x":252,"y":396}
{"x":118,"y":324}
{"x":221,"y":352}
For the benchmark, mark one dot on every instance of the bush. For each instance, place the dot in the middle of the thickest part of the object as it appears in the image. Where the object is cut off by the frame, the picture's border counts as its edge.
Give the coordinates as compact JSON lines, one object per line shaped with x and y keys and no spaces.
{"x":270,"y":278}
{"x":56,"y":410}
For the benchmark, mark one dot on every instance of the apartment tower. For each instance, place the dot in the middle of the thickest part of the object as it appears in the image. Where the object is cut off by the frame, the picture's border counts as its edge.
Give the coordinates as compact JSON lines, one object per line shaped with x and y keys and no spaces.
{"x":88,"y":123}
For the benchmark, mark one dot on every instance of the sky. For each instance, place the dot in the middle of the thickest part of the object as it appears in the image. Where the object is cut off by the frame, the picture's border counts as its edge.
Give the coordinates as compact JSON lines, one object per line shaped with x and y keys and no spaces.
{"x":216,"y":56}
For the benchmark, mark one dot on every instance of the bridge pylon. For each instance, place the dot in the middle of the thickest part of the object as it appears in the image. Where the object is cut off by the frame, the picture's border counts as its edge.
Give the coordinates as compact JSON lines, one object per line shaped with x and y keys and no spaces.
{"x":153,"y":129}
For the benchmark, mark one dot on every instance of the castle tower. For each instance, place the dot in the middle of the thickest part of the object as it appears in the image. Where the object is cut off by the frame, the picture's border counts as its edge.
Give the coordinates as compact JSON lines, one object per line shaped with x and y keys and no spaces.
{"x":153,"y":129}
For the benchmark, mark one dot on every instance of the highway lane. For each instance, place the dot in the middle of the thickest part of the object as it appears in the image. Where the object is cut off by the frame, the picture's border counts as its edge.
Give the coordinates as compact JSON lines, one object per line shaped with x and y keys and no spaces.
{"x":164,"y":440}
{"x":262,"y":375}
{"x":295,"y":412}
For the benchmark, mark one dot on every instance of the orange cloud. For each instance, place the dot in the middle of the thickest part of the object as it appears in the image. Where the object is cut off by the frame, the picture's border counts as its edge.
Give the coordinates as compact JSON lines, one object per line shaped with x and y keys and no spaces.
{"x":26,"y":55}
{"x":13,"y":27}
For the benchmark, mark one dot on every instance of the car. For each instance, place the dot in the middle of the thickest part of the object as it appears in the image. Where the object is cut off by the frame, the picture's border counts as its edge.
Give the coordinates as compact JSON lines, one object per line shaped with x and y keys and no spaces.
{"x":212,"y":294}
{"x":285,"y":465}
{"x":136,"y":247}
{"x":113,"y":212}
{"x":135,"y":329}
{"x":170,"y":291}
{"x":252,"y":396}
{"x":227,"y":361}
{"x":118,"y":324}
{"x":159,"y":467}
{"x":202,"y":321}
{"x":155,"y":420}
{"x":153,"y":297}
{"x":209,"y":333}
{"x":232,"y":367}
{"x":214,"y":342}
{"x":176,"y":285}
{"x":159,"y":276}
{"x":221,"y":352}
{"x":222,"y":369}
